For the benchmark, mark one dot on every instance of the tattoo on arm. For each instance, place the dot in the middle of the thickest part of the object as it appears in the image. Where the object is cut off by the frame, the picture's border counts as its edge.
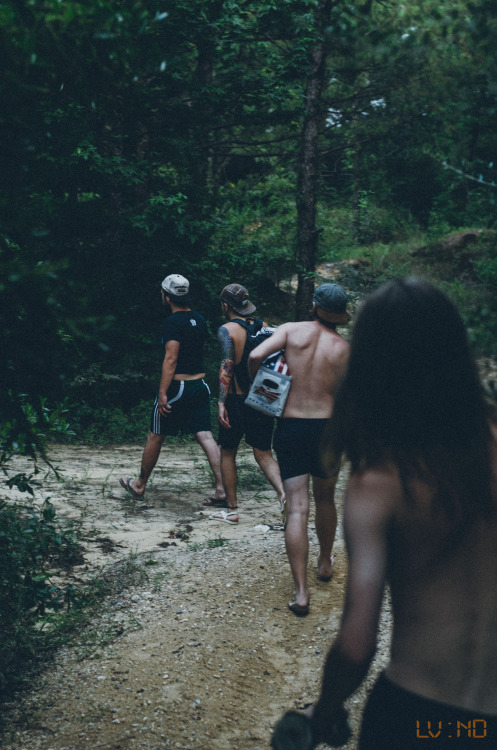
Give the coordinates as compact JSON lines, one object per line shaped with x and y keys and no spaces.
{"x":227,"y":362}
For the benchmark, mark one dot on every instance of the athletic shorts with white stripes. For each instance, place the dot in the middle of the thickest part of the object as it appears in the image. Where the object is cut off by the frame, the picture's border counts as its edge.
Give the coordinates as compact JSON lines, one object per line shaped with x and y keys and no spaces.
{"x":190,"y":411}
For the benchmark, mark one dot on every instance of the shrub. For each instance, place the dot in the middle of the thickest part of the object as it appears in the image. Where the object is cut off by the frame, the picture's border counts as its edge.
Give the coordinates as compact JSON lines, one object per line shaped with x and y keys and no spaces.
{"x":32,"y":542}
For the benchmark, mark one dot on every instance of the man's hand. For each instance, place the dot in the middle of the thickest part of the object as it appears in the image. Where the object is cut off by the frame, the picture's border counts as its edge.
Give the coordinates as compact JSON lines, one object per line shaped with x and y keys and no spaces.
{"x":163,"y":406}
{"x":223,"y":416}
{"x":296,"y":731}
{"x":293,"y":732}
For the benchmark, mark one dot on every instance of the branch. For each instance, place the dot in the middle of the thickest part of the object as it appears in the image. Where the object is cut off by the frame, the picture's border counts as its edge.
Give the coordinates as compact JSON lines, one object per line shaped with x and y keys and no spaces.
{"x":230,"y":143}
{"x":479,"y":179}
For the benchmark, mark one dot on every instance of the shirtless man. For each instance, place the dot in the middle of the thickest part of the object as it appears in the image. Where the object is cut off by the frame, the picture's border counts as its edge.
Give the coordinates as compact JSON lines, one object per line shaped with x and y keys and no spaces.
{"x":420,"y":515}
{"x":317,"y":358}
{"x":236,"y":419}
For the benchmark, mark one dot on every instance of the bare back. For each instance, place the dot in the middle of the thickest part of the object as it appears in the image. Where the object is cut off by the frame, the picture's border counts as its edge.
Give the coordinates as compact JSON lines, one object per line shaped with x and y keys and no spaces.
{"x":446,"y":611}
{"x":317,"y":358}
{"x":443,"y":589}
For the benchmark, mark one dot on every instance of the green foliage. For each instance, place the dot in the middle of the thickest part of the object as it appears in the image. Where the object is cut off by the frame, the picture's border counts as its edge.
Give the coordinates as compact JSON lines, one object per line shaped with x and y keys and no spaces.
{"x":253,"y":240}
{"x":33,"y":543}
{"x":485,"y":262}
{"x":114,"y":424}
{"x":31,"y":539}
{"x":218,"y":542}
{"x":347,"y":232}
{"x":143,"y":139}
{"x":28,"y":427}
{"x":482,"y":320}
{"x":152,"y":138}
{"x":479,"y":313}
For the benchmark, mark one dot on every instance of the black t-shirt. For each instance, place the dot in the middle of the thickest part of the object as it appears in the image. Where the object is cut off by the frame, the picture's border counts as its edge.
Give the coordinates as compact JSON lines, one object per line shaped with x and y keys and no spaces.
{"x":190,"y":329}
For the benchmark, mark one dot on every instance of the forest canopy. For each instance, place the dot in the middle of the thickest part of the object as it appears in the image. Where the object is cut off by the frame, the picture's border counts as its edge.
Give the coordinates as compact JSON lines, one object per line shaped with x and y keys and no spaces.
{"x":226,"y":141}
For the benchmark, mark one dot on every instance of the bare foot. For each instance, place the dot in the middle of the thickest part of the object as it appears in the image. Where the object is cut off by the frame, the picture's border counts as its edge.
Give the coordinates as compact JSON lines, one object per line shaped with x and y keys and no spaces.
{"x":325,"y":568}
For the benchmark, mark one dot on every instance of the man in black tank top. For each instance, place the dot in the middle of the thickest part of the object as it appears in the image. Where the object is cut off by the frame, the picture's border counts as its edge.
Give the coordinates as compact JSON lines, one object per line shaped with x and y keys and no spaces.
{"x":182,"y":404}
{"x":237,"y":420}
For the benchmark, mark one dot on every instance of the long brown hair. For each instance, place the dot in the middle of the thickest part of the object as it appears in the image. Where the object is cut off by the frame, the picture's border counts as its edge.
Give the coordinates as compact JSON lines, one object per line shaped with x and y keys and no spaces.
{"x":412,"y":396}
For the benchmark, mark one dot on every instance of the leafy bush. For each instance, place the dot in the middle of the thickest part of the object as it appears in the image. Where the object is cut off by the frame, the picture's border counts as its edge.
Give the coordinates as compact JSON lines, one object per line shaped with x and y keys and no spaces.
{"x":114,"y":424}
{"x":254,"y":232}
{"x":33,"y":541}
{"x":97,"y":426}
{"x":27,"y":426}
{"x":486,"y":264}
{"x":346,"y":231}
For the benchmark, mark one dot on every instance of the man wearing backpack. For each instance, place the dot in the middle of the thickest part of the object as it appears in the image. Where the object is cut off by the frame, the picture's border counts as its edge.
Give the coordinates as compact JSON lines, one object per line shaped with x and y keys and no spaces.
{"x":236,"y":419}
{"x":317,"y":358}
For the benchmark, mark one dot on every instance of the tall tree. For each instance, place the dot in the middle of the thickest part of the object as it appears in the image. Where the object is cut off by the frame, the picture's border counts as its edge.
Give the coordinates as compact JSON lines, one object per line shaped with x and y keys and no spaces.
{"x":308,"y":163}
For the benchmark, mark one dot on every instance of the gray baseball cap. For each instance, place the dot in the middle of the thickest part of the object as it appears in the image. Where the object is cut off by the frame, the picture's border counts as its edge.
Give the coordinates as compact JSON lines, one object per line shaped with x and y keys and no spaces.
{"x":332,"y":301}
{"x":176,"y":284}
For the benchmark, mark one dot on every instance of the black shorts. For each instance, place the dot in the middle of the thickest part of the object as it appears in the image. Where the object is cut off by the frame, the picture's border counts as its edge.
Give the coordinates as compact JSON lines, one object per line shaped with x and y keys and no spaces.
{"x":298,"y":446}
{"x":257,"y":427}
{"x":398,"y":719}
{"x":190,"y":409}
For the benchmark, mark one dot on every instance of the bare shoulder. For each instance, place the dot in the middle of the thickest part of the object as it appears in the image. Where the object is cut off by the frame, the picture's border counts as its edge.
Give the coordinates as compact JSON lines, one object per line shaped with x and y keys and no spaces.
{"x":341,"y":346}
{"x":342,"y":343}
{"x":382,"y":480}
{"x":374,"y":493}
{"x":233,"y":329}
{"x":288,"y":327}
{"x":299,"y":331}
{"x":223,"y":330}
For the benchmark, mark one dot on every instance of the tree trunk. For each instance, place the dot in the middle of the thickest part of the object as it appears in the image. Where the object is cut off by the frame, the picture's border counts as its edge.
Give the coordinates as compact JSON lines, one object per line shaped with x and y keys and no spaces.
{"x":308,"y":167}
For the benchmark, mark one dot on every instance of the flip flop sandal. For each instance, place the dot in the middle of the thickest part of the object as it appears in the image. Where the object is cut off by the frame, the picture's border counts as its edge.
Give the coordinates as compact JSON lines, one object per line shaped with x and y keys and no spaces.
{"x":301,"y":610}
{"x":223,"y":515}
{"x":213,"y":502}
{"x":125,"y":484}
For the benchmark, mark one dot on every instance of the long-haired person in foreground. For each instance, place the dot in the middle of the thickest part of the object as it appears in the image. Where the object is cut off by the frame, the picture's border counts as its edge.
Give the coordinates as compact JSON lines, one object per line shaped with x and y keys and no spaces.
{"x":420,"y":515}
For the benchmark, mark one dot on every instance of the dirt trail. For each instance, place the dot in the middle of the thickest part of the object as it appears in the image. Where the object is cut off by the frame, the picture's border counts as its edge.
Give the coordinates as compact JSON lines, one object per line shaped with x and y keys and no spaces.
{"x":203,"y":652}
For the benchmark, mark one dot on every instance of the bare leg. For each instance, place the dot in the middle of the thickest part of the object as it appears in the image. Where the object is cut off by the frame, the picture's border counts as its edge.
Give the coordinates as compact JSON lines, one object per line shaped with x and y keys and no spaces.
{"x":211,"y":450}
{"x":296,"y":538}
{"x":229,"y":474}
{"x":326,"y":522}
{"x":270,"y":467}
{"x":150,"y":457}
